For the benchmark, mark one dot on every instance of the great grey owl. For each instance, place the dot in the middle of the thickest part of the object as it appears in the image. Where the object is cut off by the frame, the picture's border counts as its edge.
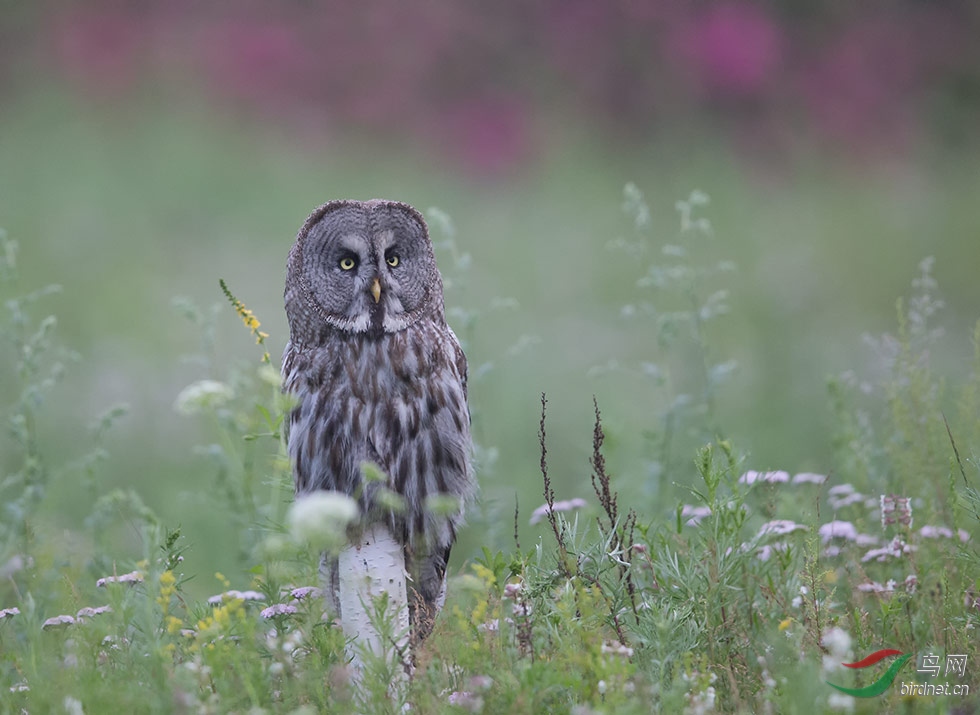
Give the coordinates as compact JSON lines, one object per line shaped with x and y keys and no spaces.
{"x":378,"y":376}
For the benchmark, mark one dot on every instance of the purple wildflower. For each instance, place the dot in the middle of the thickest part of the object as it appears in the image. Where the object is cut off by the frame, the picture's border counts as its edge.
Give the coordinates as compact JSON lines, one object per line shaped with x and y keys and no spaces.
{"x":513,"y":590}
{"x":566,"y":505}
{"x":89,"y":611}
{"x":769,"y":550}
{"x":466,"y":700}
{"x":896,"y":548}
{"x":780,"y":527}
{"x":751,"y":477}
{"x":8,"y":612}
{"x":837,"y":530}
{"x":277,"y":609}
{"x":695,"y":513}
{"x":866,"y":540}
{"x":809,"y":478}
{"x":305,"y":592}
{"x":843,"y":495}
{"x":131,"y":577}
{"x":895,"y":510}
{"x":58,"y":622}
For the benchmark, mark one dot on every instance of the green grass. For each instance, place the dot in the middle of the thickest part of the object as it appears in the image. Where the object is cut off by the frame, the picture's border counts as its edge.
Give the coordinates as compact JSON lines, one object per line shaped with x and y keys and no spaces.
{"x":621,"y":608}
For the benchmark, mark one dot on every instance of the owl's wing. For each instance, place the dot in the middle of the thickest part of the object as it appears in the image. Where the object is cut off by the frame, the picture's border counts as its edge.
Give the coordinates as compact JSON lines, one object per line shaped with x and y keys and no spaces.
{"x":288,"y":374}
{"x":459,"y":358}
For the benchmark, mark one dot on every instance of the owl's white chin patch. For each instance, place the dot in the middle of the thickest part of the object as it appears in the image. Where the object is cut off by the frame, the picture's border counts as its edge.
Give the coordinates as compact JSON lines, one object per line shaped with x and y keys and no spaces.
{"x":394,"y":323}
{"x":359,"y":324}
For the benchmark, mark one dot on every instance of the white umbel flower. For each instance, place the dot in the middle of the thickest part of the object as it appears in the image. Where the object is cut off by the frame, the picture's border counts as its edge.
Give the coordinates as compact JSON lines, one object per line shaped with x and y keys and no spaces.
{"x":201,"y":396}
{"x":320,"y":519}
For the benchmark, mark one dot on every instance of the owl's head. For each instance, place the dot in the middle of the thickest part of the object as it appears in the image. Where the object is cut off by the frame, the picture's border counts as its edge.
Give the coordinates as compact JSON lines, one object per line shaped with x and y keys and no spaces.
{"x":361,"y":267}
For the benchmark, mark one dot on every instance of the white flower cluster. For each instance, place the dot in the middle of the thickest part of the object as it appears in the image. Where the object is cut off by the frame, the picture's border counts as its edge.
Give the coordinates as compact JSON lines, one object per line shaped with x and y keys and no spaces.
{"x":202,"y":396}
{"x":320,"y":519}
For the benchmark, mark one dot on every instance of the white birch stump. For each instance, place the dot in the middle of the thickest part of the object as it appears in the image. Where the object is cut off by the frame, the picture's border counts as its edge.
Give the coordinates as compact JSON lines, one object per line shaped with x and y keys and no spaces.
{"x":367,"y":570}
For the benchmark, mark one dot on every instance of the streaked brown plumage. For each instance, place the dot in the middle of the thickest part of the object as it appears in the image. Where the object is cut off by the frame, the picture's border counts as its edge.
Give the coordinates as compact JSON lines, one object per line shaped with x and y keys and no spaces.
{"x":378,"y":376}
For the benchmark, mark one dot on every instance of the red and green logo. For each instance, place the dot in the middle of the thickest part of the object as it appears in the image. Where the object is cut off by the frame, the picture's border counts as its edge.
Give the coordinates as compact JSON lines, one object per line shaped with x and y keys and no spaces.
{"x":881,"y":684}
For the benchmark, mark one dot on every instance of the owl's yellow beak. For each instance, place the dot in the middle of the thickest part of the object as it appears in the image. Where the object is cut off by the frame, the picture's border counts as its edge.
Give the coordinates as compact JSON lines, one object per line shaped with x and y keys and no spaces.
{"x":376,"y":290}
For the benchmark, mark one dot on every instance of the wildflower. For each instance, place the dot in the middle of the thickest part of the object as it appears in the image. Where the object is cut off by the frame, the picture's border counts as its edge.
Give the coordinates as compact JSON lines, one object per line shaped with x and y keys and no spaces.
{"x":767,"y":551}
{"x":865,"y":540}
{"x":780,"y":527}
{"x":466,"y":700}
{"x":320,"y":519}
{"x":9,"y":612}
{"x":696,"y":513}
{"x":89,"y":611}
{"x":277,"y":609}
{"x":13,"y":565}
{"x":785,"y":624}
{"x":895,"y":510}
{"x":513,"y":590}
{"x":873,"y":587}
{"x":305,"y":592}
{"x":201,"y":396}
{"x":73,"y":706}
{"x":247,"y":316}
{"x":168,"y":587}
{"x":896,"y":548}
{"x":840,"y":701}
{"x":936,"y":532}
{"x":235,"y":594}
{"x":751,"y":477}
{"x":809,"y":478}
{"x":617,"y":648}
{"x":58,"y":622}
{"x":837,"y":641}
{"x":837,"y":530}
{"x":567,"y":505}
{"x":270,"y":376}
{"x":911,"y":583}
{"x":843,"y":495}
{"x":20,"y":688}
{"x":131,"y":577}
{"x":491,"y":626}
{"x":481,"y":682}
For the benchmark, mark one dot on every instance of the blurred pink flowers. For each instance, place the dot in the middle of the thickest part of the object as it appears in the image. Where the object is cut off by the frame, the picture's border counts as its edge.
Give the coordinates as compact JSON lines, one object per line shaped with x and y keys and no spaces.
{"x":475,"y":81}
{"x":733,"y":48}
{"x":565,"y":505}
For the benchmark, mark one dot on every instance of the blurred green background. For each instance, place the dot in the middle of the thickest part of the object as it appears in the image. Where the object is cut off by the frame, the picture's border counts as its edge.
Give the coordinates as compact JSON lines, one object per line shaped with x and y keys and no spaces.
{"x":148,"y":149}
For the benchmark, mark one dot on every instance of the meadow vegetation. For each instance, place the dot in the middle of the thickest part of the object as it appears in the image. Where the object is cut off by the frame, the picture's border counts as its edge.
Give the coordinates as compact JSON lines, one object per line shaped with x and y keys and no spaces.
{"x":748,"y":598}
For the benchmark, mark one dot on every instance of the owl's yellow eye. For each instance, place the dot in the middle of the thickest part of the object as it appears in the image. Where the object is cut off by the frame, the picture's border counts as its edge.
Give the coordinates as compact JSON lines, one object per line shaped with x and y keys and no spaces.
{"x":392,"y":260}
{"x":347,"y":263}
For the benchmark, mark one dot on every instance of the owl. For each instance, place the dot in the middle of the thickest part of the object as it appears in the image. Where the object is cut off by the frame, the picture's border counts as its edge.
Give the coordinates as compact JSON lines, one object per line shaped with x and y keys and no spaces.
{"x":378,"y":376}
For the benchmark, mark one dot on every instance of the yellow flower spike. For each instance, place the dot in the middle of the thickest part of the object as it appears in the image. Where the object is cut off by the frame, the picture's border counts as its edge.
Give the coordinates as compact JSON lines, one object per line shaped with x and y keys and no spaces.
{"x":174,"y":625}
{"x":485,"y":574}
{"x":247,"y":316}
{"x":785,"y":623}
